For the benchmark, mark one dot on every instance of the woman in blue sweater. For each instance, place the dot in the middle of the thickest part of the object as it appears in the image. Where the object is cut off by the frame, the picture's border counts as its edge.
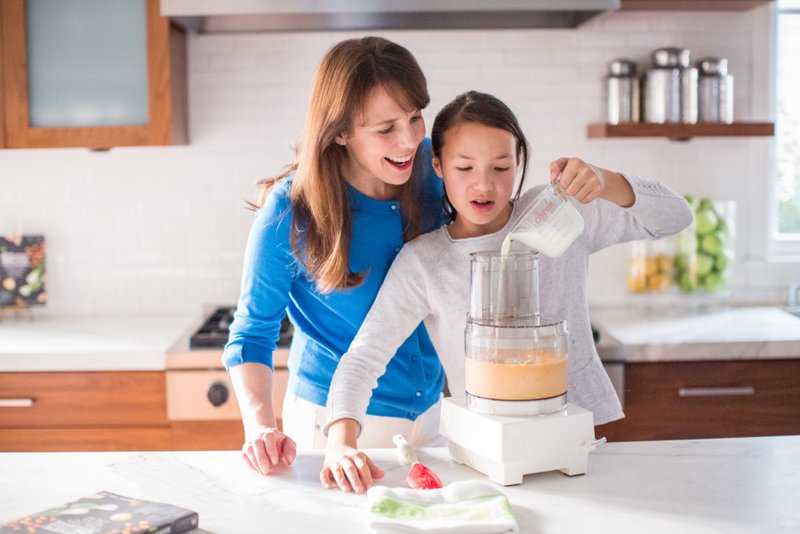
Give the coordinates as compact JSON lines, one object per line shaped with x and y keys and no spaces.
{"x":322,"y":241}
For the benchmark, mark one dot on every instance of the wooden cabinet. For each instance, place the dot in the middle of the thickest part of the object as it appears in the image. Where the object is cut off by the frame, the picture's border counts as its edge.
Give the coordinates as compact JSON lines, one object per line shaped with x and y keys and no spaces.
{"x":2,"y":87}
{"x":166,"y":90}
{"x":207,"y":435}
{"x":112,"y":411}
{"x":711,"y":399}
{"x":83,"y":411}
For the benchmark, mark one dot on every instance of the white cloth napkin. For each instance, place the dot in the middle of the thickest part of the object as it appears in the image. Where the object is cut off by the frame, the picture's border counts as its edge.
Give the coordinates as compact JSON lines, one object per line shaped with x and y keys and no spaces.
{"x":467,"y":507}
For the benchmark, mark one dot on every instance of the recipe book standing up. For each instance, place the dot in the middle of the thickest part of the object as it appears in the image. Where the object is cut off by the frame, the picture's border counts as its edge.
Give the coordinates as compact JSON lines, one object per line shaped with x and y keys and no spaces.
{"x":106,"y":513}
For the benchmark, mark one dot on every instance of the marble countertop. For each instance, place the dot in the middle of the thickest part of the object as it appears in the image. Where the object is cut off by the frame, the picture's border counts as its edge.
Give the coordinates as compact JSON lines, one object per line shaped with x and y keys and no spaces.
{"x":743,"y":485}
{"x":634,"y":335}
{"x":106,"y":343}
{"x":133,"y":343}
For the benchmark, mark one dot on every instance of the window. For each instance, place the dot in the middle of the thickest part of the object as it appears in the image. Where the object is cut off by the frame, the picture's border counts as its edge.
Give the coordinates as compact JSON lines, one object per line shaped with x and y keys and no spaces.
{"x":787,"y":191}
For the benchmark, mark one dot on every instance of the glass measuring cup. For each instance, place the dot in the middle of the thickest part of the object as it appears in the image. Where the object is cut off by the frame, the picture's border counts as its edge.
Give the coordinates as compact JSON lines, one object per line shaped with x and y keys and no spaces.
{"x":550,"y":224}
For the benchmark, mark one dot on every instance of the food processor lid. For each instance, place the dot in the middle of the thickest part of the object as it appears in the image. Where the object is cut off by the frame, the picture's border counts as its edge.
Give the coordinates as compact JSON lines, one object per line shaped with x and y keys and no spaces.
{"x":518,"y":326}
{"x":489,"y":256}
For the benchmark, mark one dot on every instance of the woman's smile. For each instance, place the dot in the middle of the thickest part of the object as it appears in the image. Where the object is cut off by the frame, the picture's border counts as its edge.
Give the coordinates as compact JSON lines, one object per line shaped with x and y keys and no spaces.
{"x":401,"y":164}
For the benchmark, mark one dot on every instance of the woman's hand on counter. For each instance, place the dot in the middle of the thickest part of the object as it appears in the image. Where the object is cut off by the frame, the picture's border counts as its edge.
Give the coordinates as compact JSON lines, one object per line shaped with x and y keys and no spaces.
{"x":269,"y":447}
{"x":345,"y":466}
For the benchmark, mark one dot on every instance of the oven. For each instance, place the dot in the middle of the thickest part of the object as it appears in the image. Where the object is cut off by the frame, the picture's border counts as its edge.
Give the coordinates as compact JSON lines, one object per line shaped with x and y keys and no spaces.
{"x":200,"y":396}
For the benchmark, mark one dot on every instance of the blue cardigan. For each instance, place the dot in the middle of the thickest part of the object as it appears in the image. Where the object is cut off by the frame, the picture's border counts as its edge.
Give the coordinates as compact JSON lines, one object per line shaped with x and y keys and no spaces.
{"x":275,"y":282}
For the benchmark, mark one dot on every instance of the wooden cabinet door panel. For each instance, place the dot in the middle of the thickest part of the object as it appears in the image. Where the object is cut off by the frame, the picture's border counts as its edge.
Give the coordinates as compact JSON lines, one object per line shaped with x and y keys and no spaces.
{"x":61,"y":400}
{"x":84,"y":439}
{"x":207,"y":435}
{"x":2,"y":88}
{"x":166,"y":53}
{"x":686,"y":400}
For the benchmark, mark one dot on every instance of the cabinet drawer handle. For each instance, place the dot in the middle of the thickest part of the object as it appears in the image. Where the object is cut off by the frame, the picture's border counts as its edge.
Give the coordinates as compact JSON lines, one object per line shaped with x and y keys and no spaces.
{"x":716,"y":392}
{"x":16,"y":403}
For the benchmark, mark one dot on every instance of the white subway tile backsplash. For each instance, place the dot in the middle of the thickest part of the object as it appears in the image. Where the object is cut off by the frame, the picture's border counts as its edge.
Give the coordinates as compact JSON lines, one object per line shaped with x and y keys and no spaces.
{"x":162,"y":229}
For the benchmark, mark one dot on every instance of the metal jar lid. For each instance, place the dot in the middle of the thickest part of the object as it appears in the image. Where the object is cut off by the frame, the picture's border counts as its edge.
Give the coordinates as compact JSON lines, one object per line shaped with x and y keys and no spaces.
{"x":713,"y":66}
{"x":671,"y":57}
{"x":622,"y":67}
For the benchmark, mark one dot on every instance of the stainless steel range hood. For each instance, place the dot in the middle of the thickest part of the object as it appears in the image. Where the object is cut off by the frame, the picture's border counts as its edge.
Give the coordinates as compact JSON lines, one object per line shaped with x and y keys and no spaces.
{"x":326,"y":15}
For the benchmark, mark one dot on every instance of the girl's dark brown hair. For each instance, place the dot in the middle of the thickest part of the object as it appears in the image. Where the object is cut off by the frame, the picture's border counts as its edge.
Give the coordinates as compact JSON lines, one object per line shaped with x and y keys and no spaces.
{"x":345,"y":79}
{"x":481,"y":108}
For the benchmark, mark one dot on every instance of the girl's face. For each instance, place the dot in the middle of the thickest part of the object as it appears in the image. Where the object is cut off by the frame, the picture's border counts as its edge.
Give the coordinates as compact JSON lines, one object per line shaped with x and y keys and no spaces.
{"x":381,"y":145}
{"x":478,"y":164}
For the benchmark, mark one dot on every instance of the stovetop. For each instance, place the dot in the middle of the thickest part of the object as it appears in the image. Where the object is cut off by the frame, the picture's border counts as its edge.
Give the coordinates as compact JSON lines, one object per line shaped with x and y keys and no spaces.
{"x":214,"y":331}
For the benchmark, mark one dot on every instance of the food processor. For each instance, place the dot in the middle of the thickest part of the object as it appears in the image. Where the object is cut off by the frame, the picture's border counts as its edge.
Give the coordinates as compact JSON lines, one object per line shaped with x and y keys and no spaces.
{"x":515,"y":419}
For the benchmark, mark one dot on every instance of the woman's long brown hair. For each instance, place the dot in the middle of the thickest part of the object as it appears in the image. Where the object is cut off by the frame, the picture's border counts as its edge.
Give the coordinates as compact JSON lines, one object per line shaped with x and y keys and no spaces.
{"x":322,"y":224}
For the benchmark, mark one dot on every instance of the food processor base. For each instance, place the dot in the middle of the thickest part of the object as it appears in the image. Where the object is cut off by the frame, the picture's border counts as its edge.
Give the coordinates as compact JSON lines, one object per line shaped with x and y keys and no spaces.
{"x":516,"y":408}
{"x":505,"y":449}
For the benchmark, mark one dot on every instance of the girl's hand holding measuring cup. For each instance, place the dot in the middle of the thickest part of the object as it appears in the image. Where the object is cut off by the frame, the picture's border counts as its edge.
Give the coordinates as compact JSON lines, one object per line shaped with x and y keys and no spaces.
{"x":586,"y":182}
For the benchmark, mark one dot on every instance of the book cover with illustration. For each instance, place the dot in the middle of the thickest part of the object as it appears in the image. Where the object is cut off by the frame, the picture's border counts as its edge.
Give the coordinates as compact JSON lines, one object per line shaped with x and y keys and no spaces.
{"x":22,"y":273}
{"x":106,"y":513}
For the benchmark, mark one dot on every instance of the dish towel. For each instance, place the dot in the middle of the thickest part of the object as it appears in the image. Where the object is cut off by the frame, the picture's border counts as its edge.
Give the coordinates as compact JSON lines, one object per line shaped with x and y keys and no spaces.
{"x":467,"y":507}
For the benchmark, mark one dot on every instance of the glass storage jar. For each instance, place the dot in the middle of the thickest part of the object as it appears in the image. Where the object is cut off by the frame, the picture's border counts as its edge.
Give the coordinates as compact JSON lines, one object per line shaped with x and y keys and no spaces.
{"x":651,"y":266}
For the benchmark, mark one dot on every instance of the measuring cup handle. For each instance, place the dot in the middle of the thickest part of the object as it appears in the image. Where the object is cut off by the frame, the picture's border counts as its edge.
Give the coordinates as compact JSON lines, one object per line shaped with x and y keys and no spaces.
{"x":558,"y":189}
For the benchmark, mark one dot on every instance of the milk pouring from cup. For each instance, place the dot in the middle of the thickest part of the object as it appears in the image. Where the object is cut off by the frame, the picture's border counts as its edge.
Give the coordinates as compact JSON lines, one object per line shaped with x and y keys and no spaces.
{"x":549,"y":225}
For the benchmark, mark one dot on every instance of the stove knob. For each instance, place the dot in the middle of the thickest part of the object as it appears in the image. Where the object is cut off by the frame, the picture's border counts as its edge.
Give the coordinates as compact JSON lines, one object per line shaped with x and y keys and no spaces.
{"x":218,"y":393}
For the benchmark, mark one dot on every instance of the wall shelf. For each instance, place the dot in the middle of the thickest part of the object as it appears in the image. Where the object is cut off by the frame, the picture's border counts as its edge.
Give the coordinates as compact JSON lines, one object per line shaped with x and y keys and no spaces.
{"x":680,"y":131}
{"x":692,"y":5}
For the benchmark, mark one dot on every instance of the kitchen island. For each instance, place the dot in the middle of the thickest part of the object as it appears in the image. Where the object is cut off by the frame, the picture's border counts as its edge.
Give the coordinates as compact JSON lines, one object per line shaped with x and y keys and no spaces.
{"x":675,"y":335}
{"x":701,"y":486}
{"x":707,"y":373}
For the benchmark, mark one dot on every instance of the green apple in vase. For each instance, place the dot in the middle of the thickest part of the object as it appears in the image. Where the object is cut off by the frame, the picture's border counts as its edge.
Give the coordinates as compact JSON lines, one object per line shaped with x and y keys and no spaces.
{"x":713,"y":252}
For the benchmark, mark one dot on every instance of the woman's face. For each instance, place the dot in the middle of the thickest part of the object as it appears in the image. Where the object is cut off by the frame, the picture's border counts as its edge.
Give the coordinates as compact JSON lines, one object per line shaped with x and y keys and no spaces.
{"x":479,"y":165}
{"x":381,"y":145}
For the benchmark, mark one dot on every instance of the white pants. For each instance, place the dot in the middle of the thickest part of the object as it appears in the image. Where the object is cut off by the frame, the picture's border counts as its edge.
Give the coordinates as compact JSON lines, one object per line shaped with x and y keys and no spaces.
{"x":303,"y":421}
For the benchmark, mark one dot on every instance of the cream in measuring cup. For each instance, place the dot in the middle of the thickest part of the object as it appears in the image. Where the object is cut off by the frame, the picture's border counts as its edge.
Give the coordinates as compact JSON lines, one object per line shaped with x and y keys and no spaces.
{"x":550,"y":224}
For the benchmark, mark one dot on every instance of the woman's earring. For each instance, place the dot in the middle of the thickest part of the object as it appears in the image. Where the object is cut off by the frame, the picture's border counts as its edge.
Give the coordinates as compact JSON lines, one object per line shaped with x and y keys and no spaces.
{"x":340,"y":141}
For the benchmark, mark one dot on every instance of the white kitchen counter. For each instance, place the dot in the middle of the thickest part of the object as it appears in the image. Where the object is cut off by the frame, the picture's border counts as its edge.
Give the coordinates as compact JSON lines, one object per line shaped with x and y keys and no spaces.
{"x":746,"y":485}
{"x":717,"y":334}
{"x":132,"y":343}
{"x":90,"y":343}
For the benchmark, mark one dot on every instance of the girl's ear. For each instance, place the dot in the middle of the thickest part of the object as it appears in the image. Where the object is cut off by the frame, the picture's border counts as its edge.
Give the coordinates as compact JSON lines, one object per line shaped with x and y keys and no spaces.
{"x":437,"y":167}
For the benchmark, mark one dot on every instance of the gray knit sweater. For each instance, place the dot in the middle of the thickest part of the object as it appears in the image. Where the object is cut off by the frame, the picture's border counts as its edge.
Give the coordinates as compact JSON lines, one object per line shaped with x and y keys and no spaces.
{"x":429,"y":282}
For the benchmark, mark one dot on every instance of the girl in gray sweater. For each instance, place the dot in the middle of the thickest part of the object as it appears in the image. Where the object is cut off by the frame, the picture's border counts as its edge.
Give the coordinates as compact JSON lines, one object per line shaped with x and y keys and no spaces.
{"x":478,"y":150}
